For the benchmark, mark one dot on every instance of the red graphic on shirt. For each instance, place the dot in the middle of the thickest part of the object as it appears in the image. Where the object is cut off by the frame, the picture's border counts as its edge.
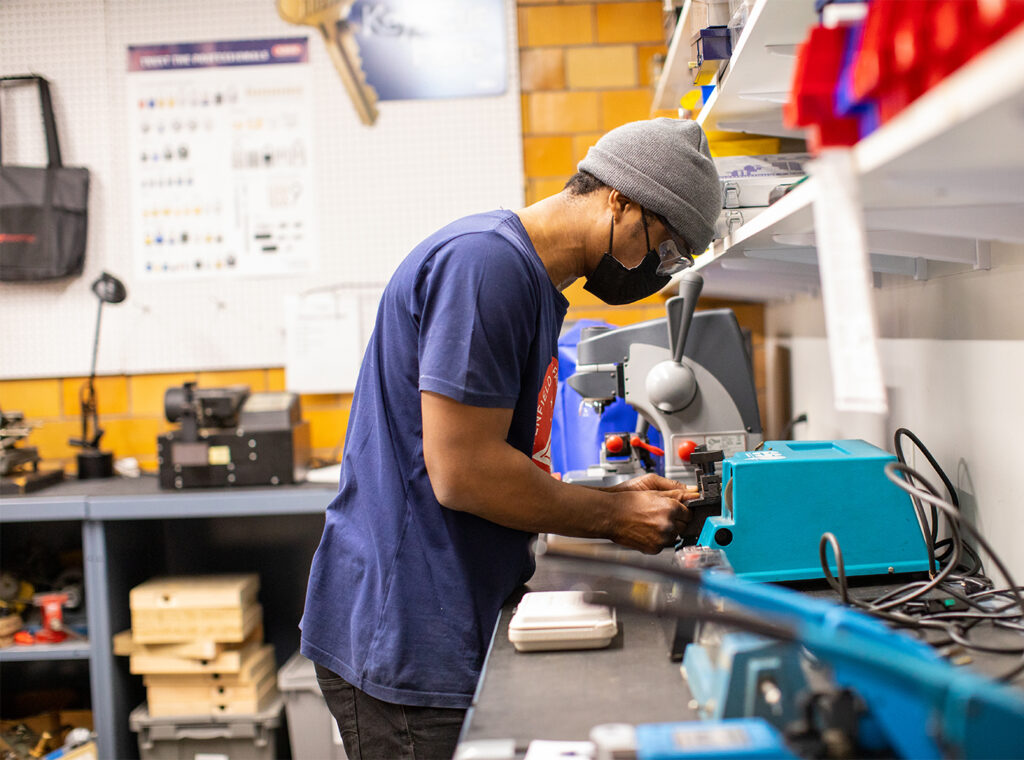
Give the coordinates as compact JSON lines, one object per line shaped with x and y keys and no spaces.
{"x":545,"y":410}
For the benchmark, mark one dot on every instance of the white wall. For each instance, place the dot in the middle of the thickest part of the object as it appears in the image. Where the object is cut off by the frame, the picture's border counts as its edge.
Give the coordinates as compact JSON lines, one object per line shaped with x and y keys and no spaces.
{"x":952,"y":353}
{"x":378,"y":190}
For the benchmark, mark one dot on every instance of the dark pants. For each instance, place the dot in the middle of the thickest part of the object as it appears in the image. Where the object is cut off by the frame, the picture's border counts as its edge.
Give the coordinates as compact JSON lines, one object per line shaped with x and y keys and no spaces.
{"x":375,"y":730}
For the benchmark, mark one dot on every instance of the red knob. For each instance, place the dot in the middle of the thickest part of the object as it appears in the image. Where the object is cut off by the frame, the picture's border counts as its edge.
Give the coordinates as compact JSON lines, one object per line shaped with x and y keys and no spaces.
{"x":614,"y":444}
{"x":684,"y":450}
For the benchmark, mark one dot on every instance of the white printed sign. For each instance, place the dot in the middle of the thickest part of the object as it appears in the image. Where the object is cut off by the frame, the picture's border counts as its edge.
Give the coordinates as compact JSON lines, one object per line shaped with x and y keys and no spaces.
{"x":764,"y":454}
{"x":219,"y":158}
{"x":846,"y":285}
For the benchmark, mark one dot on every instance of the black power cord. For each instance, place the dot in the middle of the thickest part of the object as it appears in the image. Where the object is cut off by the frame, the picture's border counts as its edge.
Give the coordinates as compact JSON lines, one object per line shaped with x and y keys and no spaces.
{"x":972,"y":593}
{"x":893,"y":470}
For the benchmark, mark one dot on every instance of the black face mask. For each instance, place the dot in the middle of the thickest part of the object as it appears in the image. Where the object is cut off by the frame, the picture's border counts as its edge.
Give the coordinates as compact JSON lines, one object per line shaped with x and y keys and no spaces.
{"x":616,"y":285}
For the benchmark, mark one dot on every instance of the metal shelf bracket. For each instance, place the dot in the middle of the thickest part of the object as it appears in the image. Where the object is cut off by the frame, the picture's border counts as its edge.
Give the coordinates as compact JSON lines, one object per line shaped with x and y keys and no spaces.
{"x":912,"y":245}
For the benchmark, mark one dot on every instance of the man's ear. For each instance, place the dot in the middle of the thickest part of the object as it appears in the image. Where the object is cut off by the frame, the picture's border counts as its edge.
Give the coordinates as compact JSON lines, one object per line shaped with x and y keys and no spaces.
{"x":617,"y":204}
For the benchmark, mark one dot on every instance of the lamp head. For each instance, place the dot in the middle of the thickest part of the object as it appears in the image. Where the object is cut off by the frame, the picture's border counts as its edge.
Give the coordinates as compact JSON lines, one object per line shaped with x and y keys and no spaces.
{"x":109,"y":289}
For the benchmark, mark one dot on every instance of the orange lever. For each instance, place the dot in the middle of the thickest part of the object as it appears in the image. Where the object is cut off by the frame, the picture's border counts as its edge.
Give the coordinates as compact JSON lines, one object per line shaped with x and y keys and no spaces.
{"x":637,"y":443}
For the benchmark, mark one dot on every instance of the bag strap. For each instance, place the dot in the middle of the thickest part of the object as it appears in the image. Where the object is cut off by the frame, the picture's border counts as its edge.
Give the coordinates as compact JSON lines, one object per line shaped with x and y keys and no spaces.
{"x":49,"y":122}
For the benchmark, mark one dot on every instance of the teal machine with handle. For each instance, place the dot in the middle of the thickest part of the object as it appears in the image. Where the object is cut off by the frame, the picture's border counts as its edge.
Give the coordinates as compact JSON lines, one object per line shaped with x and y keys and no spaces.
{"x":689,"y":376}
{"x":778,"y":501}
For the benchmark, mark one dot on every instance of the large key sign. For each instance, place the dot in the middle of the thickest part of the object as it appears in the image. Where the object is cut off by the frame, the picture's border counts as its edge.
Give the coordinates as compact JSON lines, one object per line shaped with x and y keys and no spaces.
{"x":220,"y":158}
{"x":418,"y":49}
{"x":328,"y":16}
{"x":409,"y":49}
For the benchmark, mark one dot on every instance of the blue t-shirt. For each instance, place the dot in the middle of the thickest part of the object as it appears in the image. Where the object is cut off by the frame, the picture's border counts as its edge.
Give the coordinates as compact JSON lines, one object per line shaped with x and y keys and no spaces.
{"x":404,"y":593}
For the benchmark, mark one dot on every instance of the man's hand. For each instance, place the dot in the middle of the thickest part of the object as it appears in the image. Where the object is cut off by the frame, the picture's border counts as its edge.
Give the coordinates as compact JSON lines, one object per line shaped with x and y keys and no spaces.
{"x":648,"y":520}
{"x":648,"y":527}
{"x":654,"y":482}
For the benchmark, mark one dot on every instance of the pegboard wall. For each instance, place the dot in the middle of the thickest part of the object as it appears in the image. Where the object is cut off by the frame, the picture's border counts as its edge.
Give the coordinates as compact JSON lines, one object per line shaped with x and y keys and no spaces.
{"x":379,"y":190}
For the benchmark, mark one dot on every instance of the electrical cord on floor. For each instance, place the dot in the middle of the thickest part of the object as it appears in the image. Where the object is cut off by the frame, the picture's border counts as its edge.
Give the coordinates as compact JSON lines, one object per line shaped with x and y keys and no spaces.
{"x":906,"y":593}
{"x":953,"y":513}
{"x":965,"y":583}
{"x":898,"y":445}
{"x":840,"y":584}
{"x":999,"y":592}
{"x":938,"y":578}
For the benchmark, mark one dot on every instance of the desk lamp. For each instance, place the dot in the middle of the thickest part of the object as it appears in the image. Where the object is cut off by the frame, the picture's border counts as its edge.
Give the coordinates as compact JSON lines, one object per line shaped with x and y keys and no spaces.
{"x":93,"y":463}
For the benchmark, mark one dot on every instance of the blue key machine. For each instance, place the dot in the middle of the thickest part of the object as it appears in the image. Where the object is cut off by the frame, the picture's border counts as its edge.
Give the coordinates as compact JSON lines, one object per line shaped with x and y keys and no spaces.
{"x":778,"y":501}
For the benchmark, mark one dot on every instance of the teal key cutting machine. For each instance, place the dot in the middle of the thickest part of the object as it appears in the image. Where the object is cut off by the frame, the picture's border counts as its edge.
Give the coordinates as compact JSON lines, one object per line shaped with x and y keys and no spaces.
{"x":777,"y":502}
{"x":688,"y":375}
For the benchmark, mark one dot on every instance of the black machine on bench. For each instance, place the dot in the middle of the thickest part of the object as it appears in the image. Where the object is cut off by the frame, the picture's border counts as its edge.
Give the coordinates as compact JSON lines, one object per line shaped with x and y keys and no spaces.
{"x":687,"y":374}
{"x":229,"y":437}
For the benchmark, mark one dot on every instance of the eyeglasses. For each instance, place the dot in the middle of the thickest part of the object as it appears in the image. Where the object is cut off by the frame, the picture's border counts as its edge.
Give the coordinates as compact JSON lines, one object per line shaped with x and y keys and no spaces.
{"x":675,"y":255}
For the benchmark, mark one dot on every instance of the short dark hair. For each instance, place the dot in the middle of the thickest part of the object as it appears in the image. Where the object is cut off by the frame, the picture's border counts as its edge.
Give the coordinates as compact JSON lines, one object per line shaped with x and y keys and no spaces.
{"x":583,"y":183}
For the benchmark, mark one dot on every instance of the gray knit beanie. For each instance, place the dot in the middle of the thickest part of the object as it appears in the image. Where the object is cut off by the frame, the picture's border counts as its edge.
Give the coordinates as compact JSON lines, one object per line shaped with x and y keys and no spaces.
{"x":665,"y":166}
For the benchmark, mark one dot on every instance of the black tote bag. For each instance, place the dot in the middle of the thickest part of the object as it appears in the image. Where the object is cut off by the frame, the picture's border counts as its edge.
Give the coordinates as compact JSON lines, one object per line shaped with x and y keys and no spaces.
{"x":43,"y":215}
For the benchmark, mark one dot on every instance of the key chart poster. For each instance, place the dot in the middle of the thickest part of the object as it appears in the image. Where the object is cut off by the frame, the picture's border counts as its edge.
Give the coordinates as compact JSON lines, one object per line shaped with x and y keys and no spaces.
{"x":220,"y":151}
{"x":412,"y":49}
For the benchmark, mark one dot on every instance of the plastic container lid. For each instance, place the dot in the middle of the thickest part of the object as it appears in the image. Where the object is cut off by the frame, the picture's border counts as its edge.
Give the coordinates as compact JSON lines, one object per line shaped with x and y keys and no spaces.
{"x":548,"y":620}
{"x":171,"y":726}
{"x":297,"y":675}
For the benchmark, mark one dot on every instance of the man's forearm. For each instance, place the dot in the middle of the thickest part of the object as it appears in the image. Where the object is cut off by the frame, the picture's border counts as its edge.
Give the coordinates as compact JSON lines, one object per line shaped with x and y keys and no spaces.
{"x":503,"y":485}
{"x":473,"y":468}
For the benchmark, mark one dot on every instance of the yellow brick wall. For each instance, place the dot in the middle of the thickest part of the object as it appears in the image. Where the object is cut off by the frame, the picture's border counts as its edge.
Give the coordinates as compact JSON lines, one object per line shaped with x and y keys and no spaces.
{"x":585,"y":68}
{"x":131,"y":410}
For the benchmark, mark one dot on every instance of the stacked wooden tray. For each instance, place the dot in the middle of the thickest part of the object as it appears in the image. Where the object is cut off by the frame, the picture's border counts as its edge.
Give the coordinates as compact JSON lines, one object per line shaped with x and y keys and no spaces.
{"x":198,"y":642}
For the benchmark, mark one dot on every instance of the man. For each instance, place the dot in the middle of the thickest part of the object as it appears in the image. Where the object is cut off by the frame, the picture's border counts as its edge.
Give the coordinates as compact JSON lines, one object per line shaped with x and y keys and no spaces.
{"x":446,"y":472}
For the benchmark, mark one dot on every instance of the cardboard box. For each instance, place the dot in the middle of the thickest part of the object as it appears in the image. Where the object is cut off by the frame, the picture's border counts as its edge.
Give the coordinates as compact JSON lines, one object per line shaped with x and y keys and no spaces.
{"x":231,"y":660}
{"x":188,"y":608}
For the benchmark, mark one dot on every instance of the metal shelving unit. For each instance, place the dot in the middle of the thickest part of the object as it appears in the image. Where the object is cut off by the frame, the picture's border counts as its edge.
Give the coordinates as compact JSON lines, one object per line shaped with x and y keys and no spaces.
{"x":41,"y":508}
{"x":131,"y":530}
{"x":66,"y":650}
{"x":239,"y":503}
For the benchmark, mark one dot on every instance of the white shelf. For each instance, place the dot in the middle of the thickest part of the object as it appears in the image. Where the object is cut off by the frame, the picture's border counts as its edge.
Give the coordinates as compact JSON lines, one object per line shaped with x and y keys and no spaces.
{"x":754,"y":86}
{"x":675,"y":80}
{"x":938,"y":182}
